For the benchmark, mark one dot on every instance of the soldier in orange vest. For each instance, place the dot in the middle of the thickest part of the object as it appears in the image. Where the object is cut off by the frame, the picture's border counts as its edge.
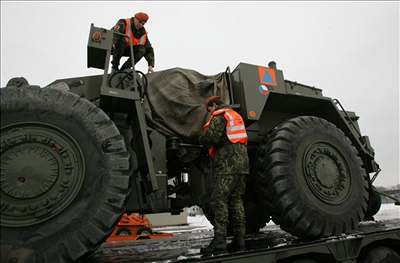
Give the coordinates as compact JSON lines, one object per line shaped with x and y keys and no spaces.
{"x":226,"y":137}
{"x":138,"y":38}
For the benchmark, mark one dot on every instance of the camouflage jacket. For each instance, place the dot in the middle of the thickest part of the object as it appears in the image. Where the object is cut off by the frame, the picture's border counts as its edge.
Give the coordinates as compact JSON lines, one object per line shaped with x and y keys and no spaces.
{"x":120,"y":27}
{"x":230,"y":158}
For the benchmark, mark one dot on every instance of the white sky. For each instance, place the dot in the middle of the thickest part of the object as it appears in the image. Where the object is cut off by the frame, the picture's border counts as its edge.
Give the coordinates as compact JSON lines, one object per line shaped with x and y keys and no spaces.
{"x":348,"y":49}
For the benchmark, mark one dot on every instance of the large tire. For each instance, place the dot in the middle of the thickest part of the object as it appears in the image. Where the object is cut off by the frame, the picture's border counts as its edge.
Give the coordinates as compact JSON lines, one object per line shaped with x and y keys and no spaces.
{"x":64,"y":176}
{"x":309,"y":170}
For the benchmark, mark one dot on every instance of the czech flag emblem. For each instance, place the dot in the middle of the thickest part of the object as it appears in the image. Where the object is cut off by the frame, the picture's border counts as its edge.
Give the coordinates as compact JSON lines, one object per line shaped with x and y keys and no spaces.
{"x":263,"y":89}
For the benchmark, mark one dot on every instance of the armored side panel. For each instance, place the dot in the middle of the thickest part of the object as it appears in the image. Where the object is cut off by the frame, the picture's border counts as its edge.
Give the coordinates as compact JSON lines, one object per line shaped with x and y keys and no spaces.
{"x":249,"y":92}
{"x":253,"y":84}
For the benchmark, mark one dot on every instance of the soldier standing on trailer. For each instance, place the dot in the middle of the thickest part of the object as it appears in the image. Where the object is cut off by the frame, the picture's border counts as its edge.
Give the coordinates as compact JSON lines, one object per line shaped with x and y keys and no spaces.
{"x":226,"y":136}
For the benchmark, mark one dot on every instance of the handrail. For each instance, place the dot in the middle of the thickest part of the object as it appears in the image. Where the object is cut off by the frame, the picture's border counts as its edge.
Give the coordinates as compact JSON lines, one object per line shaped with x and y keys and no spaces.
{"x":337,"y":102}
{"x":375,"y":175}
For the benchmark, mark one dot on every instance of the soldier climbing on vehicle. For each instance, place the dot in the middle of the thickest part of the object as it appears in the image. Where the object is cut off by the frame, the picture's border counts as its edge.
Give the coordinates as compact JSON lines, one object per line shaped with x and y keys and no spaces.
{"x":138,"y":38}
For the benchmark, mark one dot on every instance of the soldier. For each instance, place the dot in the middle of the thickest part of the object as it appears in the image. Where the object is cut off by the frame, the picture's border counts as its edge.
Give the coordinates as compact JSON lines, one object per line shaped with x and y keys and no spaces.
{"x":140,"y":42}
{"x":226,"y":136}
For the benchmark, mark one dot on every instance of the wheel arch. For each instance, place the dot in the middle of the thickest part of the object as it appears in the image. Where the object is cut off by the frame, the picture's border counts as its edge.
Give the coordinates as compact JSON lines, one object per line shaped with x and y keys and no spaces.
{"x":281,"y":107}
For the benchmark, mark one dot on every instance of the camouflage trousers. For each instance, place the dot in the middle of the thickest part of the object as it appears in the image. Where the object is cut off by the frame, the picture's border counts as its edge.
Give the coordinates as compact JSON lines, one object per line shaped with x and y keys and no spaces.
{"x":227,"y":203}
{"x":123,"y":50}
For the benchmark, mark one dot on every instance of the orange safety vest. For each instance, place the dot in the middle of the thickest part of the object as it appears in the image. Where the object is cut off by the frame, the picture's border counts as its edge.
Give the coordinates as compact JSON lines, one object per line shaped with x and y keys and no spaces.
{"x":235,"y":129}
{"x":135,"y":41}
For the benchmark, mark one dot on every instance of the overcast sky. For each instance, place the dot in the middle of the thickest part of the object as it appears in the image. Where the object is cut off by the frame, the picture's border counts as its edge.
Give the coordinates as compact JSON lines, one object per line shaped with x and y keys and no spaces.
{"x":348,"y":49}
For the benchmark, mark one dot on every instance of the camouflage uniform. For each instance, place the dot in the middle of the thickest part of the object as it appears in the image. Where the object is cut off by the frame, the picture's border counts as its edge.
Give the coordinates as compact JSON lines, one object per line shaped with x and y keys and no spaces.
{"x":122,"y":49}
{"x":231,"y":165}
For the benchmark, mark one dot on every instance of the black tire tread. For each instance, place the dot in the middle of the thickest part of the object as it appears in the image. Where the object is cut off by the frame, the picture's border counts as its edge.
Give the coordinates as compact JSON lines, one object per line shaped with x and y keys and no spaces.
{"x":88,"y":234}
{"x":294,"y":215}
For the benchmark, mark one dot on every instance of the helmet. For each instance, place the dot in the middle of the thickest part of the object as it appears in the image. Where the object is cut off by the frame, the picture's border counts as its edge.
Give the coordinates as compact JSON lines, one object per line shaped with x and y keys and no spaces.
{"x":142,"y":17}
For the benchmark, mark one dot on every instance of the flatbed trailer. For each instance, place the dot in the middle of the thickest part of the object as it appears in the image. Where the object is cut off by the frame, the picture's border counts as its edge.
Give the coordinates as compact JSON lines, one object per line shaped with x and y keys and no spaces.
{"x":373,"y":242}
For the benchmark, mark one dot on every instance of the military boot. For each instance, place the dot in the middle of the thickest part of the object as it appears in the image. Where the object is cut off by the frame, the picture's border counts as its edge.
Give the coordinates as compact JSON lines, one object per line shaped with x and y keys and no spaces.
{"x":237,"y":245}
{"x":217,"y":246}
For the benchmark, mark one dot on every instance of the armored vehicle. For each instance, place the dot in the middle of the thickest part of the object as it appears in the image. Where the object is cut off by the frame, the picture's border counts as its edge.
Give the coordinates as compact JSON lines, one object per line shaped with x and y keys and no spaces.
{"x":79,"y":152}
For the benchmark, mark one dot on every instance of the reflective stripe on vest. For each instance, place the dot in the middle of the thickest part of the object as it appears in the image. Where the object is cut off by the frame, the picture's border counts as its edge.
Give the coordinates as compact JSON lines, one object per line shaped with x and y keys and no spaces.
{"x":135,"y":41}
{"x":235,"y":129}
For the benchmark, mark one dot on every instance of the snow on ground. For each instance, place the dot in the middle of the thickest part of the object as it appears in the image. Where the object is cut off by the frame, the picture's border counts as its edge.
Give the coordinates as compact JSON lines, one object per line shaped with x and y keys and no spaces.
{"x":195,"y":223}
{"x":388,"y":211}
{"x":200,"y":222}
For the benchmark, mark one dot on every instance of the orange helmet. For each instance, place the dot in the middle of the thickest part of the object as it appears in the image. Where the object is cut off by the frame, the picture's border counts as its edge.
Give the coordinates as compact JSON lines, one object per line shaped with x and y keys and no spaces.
{"x":142,"y":17}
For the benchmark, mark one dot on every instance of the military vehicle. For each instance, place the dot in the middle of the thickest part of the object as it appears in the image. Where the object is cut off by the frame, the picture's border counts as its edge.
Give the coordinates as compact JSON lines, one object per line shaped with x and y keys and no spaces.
{"x":79,"y":152}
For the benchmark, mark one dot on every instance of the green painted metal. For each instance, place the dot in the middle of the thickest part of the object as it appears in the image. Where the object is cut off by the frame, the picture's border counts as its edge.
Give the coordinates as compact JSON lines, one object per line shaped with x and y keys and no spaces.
{"x":42,"y":171}
{"x":327,"y":173}
{"x":287,"y":99}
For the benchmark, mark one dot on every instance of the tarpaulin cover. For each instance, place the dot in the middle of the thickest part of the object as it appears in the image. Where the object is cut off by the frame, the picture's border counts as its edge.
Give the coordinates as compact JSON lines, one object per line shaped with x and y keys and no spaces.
{"x":175,"y":99}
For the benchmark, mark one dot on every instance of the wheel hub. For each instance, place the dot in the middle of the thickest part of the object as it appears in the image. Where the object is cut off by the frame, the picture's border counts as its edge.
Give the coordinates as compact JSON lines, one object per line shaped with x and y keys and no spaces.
{"x":42,"y":171}
{"x":326,"y":173}
{"x":30,"y":170}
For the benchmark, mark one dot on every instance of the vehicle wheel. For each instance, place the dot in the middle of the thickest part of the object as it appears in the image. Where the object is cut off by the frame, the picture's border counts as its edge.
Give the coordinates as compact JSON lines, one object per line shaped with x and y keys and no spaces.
{"x":374,"y":204}
{"x":314,"y":177}
{"x":381,"y":255}
{"x":64,"y":176}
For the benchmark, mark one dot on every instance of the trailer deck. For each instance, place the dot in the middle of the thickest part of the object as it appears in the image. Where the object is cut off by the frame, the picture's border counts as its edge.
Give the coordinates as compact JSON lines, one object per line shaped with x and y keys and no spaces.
{"x":270,"y":245}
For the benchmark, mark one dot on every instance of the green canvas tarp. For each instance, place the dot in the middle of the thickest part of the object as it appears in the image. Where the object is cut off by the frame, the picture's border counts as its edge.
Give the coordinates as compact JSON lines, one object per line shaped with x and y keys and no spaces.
{"x":174,"y":104}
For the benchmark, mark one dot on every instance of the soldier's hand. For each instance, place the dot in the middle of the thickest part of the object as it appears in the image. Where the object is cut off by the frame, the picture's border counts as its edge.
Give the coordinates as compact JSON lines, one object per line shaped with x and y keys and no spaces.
{"x":150,"y":70}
